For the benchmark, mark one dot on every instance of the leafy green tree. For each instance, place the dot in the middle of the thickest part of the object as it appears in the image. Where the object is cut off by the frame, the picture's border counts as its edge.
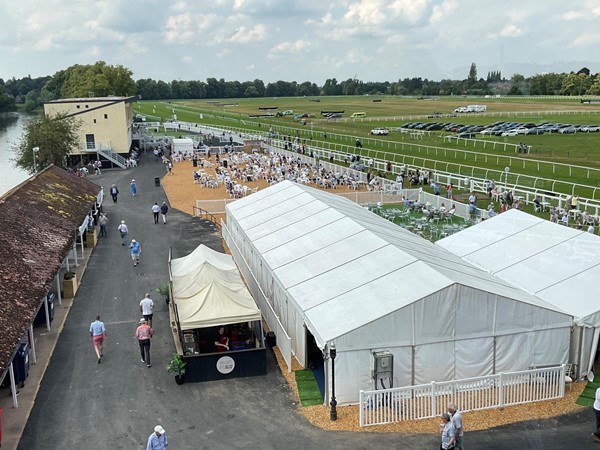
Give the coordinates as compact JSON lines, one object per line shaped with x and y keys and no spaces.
{"x":575,"y":84}
{"x":472,"y":78}
{"x":595,"y":87}
{"x":53,"y":136}
{"x":7,"y":102}
{"x":99,"y":79}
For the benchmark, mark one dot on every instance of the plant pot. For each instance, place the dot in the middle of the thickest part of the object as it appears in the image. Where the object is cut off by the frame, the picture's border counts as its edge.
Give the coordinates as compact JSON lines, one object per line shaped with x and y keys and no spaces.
{"x":70,"y":287}
{"x":179,"y":379}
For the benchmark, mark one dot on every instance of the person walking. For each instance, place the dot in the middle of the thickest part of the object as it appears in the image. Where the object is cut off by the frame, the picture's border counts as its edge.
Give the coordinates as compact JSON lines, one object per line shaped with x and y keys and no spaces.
{"x":155,"y":211}
{"x":103,"y":221}
{"x":136,"y":250}
{"x":596,"y":435}
{"x":158,"y":439}
{"x":448,"y":433}
{"x":124,"y":231}
{"x":114,"y":193}
{"x":170,"y":168}
{"x":133,"y":188}
{"x":147,"y":308}
{"x":98,"y":333}
{"x":458,"y":425}
{"x":143,"y":333}
{"x":164,"y":209}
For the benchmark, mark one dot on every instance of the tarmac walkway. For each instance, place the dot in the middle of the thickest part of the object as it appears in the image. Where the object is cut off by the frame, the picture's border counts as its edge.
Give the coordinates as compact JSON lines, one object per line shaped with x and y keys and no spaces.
{"x":116,"y":404}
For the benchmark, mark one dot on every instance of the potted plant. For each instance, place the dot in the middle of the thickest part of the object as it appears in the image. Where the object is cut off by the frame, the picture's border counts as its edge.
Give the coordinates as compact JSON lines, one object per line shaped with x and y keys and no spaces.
{"x":163,"y":290}
{"x":70,"y":284}
{"x":177,"y":366}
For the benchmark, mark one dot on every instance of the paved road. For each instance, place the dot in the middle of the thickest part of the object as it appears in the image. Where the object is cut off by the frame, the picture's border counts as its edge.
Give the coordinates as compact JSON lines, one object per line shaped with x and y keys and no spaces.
{"x":116,"y":404}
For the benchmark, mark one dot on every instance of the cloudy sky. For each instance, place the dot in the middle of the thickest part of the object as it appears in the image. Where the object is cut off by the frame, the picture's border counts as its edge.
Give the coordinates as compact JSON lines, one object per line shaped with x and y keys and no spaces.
{"x":304,"y":40}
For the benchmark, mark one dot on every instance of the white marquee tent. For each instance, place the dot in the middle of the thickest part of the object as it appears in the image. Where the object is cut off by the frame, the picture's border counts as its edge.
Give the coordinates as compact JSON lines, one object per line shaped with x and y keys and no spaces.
{"x":208,"y":291}
{"x":558,"y":264}
{"x":354,"y":279}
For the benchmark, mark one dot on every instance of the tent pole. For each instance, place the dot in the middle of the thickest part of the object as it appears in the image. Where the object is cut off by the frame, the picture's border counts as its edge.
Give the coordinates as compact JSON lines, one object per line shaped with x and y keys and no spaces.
{"x":412,"y":368}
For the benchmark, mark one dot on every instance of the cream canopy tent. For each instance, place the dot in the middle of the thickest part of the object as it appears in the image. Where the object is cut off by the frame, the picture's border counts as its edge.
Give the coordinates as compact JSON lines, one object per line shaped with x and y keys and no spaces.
{"x":558,"y":264}
{"x":354,"y":279}
{"x":209,"y":291}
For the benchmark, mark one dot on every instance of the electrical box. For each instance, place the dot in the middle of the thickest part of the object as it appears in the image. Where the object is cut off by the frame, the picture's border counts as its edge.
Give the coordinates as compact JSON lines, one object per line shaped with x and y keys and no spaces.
{"x":383,"y":366}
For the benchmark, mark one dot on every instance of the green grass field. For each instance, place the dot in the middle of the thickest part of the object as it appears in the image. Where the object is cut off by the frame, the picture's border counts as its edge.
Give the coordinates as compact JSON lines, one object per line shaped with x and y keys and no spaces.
{"x":486,"y":158}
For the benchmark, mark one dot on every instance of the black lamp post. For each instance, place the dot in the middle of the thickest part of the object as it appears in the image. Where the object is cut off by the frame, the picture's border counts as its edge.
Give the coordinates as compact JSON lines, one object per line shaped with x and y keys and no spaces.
{"x":333,"y":403}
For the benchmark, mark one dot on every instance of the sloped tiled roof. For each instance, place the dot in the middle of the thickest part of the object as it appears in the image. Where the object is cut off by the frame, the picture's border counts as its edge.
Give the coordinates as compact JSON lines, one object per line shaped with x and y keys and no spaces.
{"x":38,"y":220}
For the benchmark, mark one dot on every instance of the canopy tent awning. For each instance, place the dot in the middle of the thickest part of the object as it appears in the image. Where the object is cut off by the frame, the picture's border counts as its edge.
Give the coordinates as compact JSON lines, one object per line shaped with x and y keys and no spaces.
{"x":208,"y":291}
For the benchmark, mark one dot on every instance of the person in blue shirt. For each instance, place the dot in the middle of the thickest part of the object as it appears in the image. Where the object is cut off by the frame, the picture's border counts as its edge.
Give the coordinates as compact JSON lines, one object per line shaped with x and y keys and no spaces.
{"x":98,"y":333}
{"x":136,"y":249}
{"x":158,"y":439}
{"x":133,"y":188}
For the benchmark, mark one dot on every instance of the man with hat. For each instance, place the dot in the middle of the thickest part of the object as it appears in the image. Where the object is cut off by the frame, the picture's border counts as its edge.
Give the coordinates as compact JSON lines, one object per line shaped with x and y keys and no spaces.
{"x":136,"y":249}
{"x":158,"y":439}
{"x":143,"y":333}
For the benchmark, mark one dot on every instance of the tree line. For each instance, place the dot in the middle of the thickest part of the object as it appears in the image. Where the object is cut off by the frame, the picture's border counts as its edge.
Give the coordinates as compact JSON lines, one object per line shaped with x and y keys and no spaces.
{"x":101,"y":79}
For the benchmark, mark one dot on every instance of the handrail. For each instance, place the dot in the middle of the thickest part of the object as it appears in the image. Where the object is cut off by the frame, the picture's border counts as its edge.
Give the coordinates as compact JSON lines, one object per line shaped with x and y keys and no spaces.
{"x":205,"y":214}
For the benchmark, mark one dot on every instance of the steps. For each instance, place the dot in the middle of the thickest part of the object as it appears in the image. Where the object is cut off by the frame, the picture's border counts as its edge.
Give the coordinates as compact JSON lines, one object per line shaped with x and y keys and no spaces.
{"x":113,"y":157}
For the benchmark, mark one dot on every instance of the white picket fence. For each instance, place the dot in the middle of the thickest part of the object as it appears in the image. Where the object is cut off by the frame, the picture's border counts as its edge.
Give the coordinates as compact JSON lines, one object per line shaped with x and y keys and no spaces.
{"x":430,"y":400}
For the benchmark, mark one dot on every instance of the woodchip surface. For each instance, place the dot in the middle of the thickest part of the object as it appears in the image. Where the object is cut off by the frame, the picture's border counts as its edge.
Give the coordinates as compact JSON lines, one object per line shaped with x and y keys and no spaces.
{"x":182,"y":193}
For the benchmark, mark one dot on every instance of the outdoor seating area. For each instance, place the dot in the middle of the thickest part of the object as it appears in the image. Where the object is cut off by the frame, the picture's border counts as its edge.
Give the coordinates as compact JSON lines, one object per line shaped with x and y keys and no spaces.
{"x":422,"y":219}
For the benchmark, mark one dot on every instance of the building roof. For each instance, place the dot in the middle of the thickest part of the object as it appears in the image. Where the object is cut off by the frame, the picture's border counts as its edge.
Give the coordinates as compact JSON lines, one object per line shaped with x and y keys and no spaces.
{"x":333,"y":255}
{"x":113,"y":99}
{"x":558,"y":264}
{"x":38,"y":220}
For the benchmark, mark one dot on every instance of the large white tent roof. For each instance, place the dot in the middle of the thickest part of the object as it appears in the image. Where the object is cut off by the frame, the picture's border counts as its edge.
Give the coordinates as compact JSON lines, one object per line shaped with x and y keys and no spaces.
{"x":208,"y":291}
{"x":558,"y":264}
{"x":335,"y":257}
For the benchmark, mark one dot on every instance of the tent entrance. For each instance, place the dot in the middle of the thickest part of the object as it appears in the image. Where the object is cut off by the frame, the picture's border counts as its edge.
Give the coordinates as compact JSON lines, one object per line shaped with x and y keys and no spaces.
{"x":314,"y":357}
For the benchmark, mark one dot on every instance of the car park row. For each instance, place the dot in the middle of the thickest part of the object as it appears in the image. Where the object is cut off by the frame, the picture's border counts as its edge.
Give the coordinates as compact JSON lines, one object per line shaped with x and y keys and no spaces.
{"x":501,"y":128}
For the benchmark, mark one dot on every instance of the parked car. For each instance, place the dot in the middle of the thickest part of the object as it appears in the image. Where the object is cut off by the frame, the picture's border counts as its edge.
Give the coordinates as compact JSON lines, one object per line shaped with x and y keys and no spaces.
{"x":535,"y":131}
{"x":568,"y":130}
{"x":590,"y":129}
{"x":380,"y":131}
{"x":512,"y":132}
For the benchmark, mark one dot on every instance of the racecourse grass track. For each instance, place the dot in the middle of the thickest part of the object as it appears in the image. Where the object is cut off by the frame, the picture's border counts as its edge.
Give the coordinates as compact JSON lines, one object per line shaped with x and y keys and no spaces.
{"x":464,"y":157}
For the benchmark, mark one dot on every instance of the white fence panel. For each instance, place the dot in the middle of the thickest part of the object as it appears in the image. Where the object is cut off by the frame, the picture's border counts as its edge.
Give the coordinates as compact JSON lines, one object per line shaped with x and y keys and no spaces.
{"x":429,"y":400}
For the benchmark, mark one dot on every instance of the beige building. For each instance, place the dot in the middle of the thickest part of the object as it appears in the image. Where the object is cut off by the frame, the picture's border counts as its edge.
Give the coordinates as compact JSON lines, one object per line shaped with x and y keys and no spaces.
{"x":106,"y":123}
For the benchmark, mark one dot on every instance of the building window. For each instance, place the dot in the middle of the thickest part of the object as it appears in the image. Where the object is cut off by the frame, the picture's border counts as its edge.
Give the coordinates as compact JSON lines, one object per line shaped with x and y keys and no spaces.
{"x":78,"y":106}
{"x":106,"y":116}
{"x":94,"y":120}
{"x":87,"y":106}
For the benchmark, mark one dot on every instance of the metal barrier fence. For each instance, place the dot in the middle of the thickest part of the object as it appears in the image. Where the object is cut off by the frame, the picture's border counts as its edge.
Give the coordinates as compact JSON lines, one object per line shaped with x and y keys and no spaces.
{"x":429,"y":400}
{"x":284,"y":342}
{"x":524,"y":186}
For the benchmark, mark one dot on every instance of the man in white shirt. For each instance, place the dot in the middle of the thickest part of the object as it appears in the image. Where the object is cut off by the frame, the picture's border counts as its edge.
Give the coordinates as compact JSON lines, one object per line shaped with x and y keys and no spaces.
{"x":155,"y":211}
{"x":147,"y":308}
{"x":458,"y":425}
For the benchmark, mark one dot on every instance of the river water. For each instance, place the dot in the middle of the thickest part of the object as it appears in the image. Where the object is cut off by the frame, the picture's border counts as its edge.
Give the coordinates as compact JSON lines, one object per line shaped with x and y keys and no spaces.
{"x":11,"y":130}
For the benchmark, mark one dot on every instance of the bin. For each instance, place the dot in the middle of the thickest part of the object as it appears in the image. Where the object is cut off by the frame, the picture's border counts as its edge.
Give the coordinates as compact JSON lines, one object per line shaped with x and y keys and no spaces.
{"x":271,"y":339}
{"x":40,"y":319}
{"x":157,"y":181}
{"x":21,"y":364}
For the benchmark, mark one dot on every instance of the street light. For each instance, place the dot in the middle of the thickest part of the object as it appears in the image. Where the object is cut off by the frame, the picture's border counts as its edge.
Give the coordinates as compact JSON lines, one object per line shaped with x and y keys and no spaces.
{"x":333,"y":403}
{"x":35,"y":150}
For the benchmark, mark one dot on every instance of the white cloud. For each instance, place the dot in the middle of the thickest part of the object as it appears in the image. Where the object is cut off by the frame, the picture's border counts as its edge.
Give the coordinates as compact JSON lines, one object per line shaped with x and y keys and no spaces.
{"x":511,"y":31}
{"x":244,"y":36}
{"x":285,"y":49}
{"x":298,"y":40}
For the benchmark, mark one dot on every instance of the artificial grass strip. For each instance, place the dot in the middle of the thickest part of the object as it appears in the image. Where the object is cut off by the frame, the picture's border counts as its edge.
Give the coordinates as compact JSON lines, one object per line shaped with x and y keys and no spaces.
{"x":588,"y":396}
{"x":308,"y":390}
